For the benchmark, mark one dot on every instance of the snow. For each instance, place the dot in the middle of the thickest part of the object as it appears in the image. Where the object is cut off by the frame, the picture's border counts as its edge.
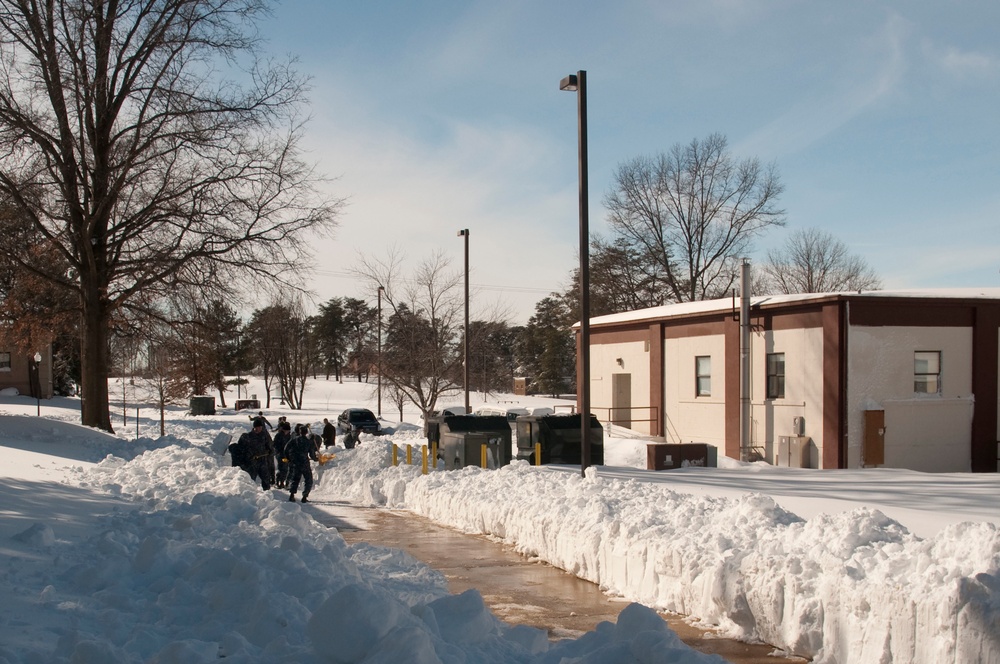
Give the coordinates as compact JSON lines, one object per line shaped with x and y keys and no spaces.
{"x":116,"y":549}
{"x":727,"y":304}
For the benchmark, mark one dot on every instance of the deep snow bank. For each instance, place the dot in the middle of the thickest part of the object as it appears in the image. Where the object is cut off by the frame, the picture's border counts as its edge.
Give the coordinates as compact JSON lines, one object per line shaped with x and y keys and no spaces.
{"x":194,"y":564}
{"x":855,"y":587}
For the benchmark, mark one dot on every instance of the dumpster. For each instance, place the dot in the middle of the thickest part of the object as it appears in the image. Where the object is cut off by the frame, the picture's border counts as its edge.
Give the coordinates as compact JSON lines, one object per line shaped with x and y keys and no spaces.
{"x":203,"y":405}
{"x":669,"y":456}
{"x":432,"y":423}
{"x":462,"y":438}
{"x":559,"y":436}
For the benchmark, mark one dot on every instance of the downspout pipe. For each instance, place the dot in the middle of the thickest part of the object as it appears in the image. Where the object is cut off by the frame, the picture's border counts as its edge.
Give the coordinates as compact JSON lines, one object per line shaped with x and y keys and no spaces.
{"x":745,"y":360}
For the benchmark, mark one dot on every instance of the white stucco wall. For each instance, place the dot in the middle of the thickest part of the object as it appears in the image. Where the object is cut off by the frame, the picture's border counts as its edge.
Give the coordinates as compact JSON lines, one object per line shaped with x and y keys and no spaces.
{"x":690,"y":418}
{"x":634,"y":362}
{"x":930,"y":433}
{"x":803,"y":349}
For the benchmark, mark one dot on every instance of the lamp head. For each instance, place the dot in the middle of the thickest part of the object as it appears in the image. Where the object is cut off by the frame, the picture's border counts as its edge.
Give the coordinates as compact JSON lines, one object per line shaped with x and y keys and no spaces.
{"x":38,"y":357}
{"x":570,"y":83}
{"x":464,"y":231}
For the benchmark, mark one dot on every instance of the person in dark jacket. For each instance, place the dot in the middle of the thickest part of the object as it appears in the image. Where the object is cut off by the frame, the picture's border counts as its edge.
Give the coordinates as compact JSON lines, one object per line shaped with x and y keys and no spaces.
{"x":299,"y":451}
{"x":259,"y":452}
{"x":329,"y":433}
{"x":280,"y":441}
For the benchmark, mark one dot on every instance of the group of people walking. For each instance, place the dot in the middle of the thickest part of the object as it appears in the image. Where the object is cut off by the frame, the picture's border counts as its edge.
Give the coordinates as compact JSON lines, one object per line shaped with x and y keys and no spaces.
{"x":282,"y":461}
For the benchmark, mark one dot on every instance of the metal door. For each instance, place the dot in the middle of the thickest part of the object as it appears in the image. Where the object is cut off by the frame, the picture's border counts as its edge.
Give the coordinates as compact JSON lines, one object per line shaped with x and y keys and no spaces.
{"x":621,"y":400}
{"x":873,"y":450}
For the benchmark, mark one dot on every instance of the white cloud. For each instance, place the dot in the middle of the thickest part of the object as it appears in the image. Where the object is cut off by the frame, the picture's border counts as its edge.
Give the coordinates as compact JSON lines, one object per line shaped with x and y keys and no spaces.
{"x":962,"y":65}
{"x":415,"y":193}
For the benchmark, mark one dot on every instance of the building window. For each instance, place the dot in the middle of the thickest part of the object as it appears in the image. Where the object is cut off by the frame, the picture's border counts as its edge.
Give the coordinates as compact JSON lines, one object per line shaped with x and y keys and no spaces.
{"x":927,"y":372}
{"x":4,"y":361}
{"x":775,"y":375}
{"x":703,"y":375}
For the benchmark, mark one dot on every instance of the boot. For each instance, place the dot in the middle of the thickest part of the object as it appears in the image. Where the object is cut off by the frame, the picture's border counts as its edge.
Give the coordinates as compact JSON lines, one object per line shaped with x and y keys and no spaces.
{"x":291,"y":498}
{"x":304,"y":499}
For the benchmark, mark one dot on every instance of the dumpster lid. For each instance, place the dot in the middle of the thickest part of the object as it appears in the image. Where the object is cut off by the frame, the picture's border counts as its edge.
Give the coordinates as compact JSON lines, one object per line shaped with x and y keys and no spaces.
{"x":472,"y":423}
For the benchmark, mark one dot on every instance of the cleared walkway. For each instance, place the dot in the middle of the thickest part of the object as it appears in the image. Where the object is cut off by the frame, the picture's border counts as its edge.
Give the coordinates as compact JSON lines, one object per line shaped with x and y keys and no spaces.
{"x":519,"y":590}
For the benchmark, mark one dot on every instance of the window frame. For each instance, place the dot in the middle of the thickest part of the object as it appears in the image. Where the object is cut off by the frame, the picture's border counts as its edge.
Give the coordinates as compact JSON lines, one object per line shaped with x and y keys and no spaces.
{"x":775,"y":384}
{"x":702,"y":380}
{"x":5,"y":364}
{"x":925,"y":378}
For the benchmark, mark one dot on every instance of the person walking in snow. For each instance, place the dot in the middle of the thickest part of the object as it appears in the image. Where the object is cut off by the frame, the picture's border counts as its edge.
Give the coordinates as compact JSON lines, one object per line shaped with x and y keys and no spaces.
{"x":299,"y":451}
{"x":329,"y":433}
{"x":259,"y":451}
{"x":280,"y":441}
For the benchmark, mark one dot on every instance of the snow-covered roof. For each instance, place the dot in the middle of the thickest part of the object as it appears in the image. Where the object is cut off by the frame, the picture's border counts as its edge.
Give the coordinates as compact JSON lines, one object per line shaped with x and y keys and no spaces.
{"x":726,"y":304}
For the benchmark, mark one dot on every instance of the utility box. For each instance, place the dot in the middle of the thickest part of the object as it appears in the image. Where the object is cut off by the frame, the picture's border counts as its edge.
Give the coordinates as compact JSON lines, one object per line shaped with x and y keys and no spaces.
{"x":670,"y":456}
{"x":462,"y":438}
{"x":793,"y":452}
{"x":203,"y":405}
{"x":559,"y":436}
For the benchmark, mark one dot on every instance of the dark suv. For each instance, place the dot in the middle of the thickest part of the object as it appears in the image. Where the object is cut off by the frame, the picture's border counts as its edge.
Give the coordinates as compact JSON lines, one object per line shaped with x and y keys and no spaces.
{"x":354,"y":421}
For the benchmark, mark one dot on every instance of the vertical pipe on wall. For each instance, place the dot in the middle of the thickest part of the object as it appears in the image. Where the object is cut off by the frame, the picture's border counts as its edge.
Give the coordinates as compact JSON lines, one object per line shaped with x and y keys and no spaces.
{"x":745,"y":360}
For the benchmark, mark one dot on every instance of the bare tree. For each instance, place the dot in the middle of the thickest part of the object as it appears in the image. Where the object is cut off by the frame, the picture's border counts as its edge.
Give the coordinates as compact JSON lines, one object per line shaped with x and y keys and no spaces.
{"x":694,"y":212}
{"x":814,"y":261}
{"x":150,"y":147}
{"x":421,"y":355}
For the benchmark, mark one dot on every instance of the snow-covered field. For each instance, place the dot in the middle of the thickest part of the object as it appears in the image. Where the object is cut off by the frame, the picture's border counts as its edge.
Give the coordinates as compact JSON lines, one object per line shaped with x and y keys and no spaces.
{"x":163,"y":552}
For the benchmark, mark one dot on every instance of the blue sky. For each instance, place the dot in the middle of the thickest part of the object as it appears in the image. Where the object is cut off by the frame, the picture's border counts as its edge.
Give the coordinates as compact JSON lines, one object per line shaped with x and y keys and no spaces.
{"x":883,"y":119}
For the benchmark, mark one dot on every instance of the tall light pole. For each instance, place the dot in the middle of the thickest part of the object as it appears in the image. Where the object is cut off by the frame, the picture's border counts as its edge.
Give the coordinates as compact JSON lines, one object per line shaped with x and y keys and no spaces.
{"x":465,"y":369}
{"x":380,"y":291}
{"x":38,"y":384}
{"x":578,"y":83}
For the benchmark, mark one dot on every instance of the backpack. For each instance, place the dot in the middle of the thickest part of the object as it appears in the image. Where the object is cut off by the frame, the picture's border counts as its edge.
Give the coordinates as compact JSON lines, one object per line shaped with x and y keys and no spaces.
{"x":238,"y":452}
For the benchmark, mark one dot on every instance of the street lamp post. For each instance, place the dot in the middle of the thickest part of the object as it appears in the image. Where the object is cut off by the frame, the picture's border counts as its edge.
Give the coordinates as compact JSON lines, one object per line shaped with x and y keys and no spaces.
{"x":465,"y":370}
{"x":578,"y":83}
{"x":239,"y":378}
{"x":38,"y":384}
{"x":380,"y":291}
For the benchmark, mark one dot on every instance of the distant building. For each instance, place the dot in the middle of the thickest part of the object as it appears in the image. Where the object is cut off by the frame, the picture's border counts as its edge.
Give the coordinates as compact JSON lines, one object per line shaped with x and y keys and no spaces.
{"x":847,"y":380}
{"x":19,"y":370}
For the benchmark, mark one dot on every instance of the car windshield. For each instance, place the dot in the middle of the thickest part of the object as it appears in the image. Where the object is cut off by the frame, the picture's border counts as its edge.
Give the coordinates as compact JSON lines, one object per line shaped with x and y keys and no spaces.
{"x":360,"y":416}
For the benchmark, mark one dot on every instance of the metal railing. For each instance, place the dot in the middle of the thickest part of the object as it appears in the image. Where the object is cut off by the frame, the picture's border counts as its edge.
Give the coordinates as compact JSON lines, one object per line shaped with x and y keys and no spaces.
{"x":626,"y":416}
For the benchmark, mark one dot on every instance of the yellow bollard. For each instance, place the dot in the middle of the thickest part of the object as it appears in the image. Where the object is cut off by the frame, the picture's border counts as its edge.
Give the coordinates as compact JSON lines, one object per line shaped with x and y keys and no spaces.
{"x":538,"y":454}
{"x":409,"y":454}
{"x":482,"y":457}
{"x":423,"y":453}
{"x":395,"y":455}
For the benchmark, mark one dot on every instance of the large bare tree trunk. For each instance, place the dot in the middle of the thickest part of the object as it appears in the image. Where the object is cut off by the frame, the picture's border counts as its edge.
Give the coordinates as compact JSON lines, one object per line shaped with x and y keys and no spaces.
{"x":94,"y":367}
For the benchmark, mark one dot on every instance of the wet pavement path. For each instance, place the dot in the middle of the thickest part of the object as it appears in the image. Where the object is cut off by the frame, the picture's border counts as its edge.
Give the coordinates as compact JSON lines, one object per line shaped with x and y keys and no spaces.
{"x":519,"y":590}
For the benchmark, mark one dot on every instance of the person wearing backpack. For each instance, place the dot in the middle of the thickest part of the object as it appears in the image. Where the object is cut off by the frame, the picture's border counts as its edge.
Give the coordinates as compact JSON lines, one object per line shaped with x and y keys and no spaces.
{"x":299,"y":451}
{"x":259,"y":451}
{"x":280,"y":441}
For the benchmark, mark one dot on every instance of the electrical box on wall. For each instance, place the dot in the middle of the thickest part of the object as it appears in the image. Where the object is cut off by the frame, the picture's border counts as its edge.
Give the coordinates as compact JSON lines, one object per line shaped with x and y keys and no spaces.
{"x":798,"y":426}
